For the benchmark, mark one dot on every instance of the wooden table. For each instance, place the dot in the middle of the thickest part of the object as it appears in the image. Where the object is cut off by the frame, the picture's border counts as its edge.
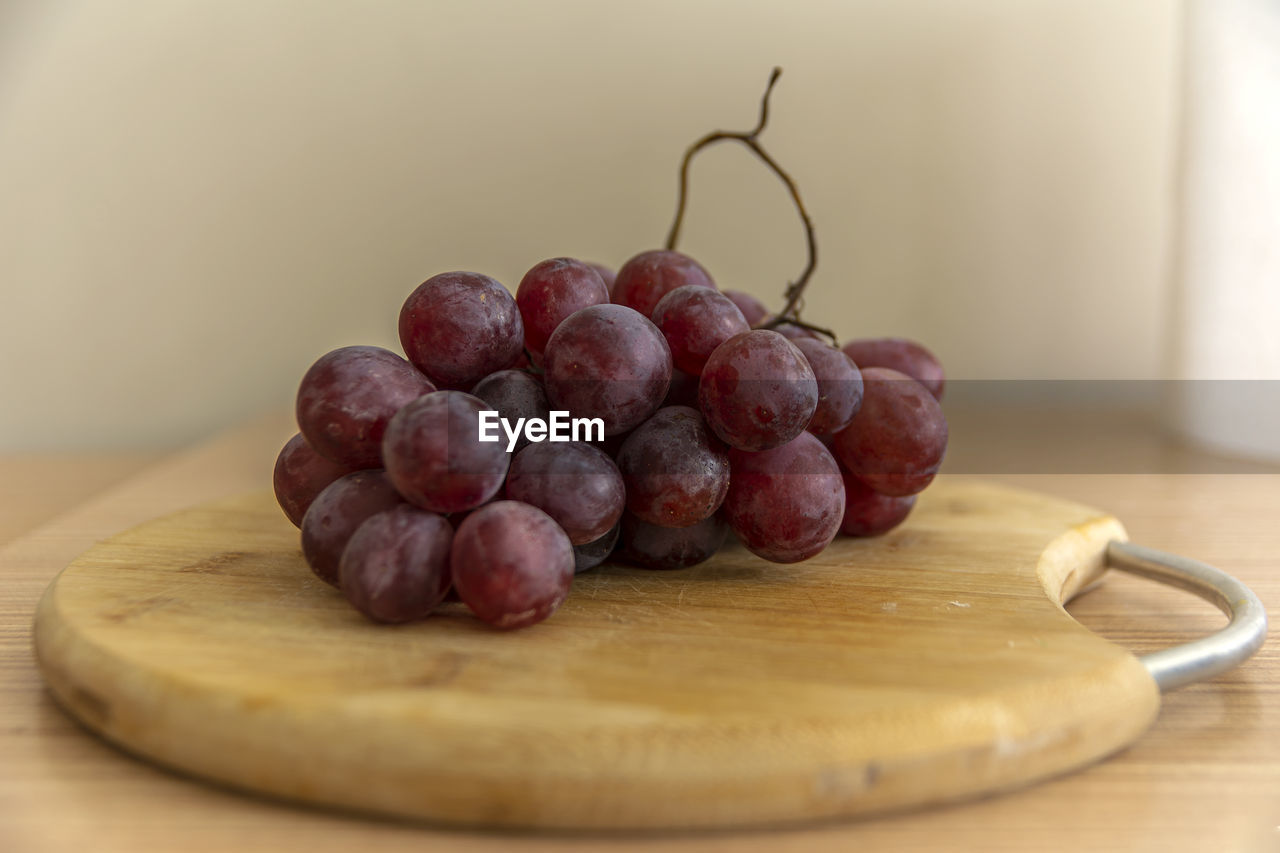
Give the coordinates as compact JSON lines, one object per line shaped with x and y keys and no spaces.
{"x":1205,"y":777}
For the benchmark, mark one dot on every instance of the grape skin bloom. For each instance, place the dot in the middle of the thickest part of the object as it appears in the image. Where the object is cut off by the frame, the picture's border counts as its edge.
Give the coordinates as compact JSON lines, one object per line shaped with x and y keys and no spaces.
{"x":903,"y":355}
{"x":458,"y":327}
{"x":896,"y":443}
{"x":300,"y":475}
{"x":576,"y":484}
{"x":608,"y":362}
{"x":839,"y":386}
{"x":675,"y":469}
{"x":435,"y":457}
{"x":649,"y":276}
{"x":395,"y":567}
{"x":512,"y":564}
{"x":553,"y":290}
{"x":696,"y":320}
{"x":336,"y":513}
{"x":652,"y":546}
{"x":347,"y":398}
{"x":758,"y":391}
{"x":785,"y":504}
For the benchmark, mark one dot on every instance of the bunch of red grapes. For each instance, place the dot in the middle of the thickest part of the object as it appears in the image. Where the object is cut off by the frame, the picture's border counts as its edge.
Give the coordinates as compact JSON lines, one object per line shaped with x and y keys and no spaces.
{"x":715,"y":418}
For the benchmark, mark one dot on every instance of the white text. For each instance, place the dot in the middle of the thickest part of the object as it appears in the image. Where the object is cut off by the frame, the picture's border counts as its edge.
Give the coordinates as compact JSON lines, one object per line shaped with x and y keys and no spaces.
{"x":557,"y":427}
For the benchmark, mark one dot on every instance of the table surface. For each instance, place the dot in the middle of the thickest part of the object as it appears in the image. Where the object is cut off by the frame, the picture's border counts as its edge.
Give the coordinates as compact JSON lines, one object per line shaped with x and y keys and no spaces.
{"x":1205,"y":777}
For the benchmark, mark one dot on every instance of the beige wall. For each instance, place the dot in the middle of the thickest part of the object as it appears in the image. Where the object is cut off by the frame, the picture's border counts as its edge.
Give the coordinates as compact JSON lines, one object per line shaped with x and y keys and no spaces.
{"x":197,"y":199}
{"x":1227,"y":267}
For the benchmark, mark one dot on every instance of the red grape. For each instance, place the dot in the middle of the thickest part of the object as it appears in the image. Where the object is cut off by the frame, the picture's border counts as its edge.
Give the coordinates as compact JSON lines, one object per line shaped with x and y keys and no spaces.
{"x":347,"y":397}
{"x":608,"y":362}
{"x":683,"y":390}
{"x":610,"y":444}
{"x":839,"y":386}
{"x":458,"y":327}
{"x":869,"y":513}
{"x":593,"y":553}
{"x":792,"y":332}
{"x":553,"y":290}
{"x":753,"y":310}
{"x":456,"y":518}
{"x":606,"y":273}
{"x":576,"y":484}
{"x":676,"y":471}
{"x":899,"y":437}
{"x":435,"y":457}
{"x":758,"y":391}
{"x":395,"y":567}
{"x":515,"y":394}
{"x":512,"y":564}
{"x":336,"y":513}
{"x":900,"y":354}
{"x":463,"y":471}
{"x":300,"y":475}
{"x":696,"y":320}
{"x":785,"y":504}
{"x":656,"y":547}
{"x":649,"y":276}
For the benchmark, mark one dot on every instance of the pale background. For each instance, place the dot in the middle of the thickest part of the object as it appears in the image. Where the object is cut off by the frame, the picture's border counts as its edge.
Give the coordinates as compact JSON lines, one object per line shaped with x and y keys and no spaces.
{"x":198,"y":199}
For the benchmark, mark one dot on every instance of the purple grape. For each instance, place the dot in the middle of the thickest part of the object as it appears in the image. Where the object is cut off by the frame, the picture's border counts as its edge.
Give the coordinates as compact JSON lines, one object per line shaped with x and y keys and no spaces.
{"x":553,"y":290}
{"x":435,"y":457}
{"x":576,"y":484}
{"x":676,"y":471}
{"x":608,"y":362}
{"x":336,"y":513}
{"x":696,"y":320}
{"x":515,"y":394}
{"x":456,"y":518}
{"x":347,"y":397}
{"x":655,"y":547}
{"x":683,"y":390}
{"x":900,"y":354}
{"x":758,"y":391}
{"x":459,"y":327}
{"x":753,"y":310}
{"x":606,"y":273}
{"x":512,"y":564}
{"x":899,"y":437}
{"x":301,"y":474}
{"x":869,"y":513}
{"x":395,"y":567}
{"x":649,"y":276}
{"x":610,"y":444}
{"x":785,"y":504}
{"x":593,"y":553}
{"x":839,"y":386}
{"x":793,"y":333}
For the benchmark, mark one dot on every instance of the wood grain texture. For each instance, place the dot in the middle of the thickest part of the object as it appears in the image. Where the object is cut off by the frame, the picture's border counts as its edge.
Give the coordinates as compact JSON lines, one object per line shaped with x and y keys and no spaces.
{"x":35,"y":487}
{"x":930,"y":665}
{"x":1206,"y":776}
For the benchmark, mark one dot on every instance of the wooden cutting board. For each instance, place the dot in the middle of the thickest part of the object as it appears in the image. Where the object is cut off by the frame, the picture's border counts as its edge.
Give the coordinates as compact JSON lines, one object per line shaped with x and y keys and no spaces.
{"x":932,"y":664}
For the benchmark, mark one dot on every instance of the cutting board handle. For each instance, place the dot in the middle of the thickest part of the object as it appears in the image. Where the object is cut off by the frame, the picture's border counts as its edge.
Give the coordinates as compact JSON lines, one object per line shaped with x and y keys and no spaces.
{"x":1209,"y":656}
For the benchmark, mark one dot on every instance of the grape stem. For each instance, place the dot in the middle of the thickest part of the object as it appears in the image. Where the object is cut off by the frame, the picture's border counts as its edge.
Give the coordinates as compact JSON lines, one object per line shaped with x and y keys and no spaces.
{"x":531,"y":367}
{"x":794,"y":293}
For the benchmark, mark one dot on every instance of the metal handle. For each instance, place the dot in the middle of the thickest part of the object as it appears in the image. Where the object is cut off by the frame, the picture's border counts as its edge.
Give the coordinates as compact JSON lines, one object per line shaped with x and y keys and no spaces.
{"x":1211,"y":655}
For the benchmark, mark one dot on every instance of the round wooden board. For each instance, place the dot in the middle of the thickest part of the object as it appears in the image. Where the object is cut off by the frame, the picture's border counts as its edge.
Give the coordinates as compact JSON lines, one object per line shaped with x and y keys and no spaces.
{"x":931,"y":664}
